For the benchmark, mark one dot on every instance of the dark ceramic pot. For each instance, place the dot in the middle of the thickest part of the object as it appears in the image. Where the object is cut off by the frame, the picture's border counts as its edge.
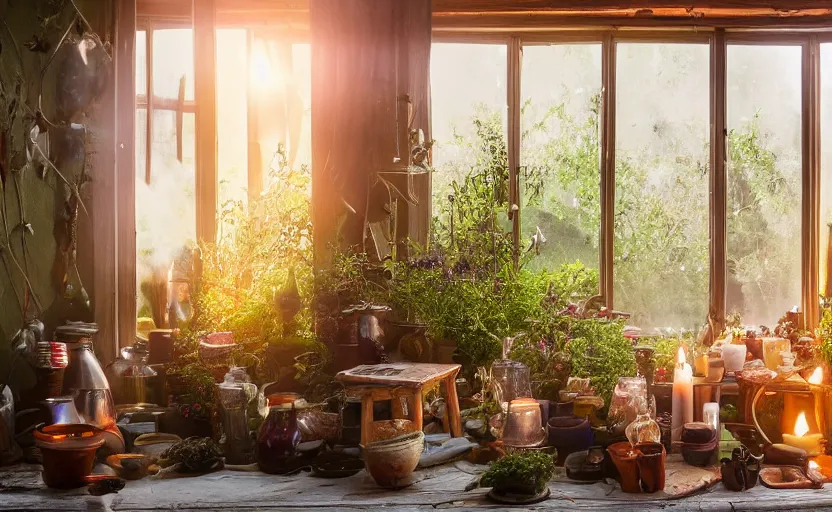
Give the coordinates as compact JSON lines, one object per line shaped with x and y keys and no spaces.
{"x":569,"y":435}
{"x":563,"y":409}
{"x":68,"y":453}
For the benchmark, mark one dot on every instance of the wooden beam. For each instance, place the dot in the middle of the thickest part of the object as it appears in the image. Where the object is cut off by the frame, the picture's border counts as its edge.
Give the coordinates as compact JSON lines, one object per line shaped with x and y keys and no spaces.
{"x":522,"y":22}
{"x":125,"y":174}
{"x":101,"y":164}
{"x":811,"y":147}
{"x":205,"y":96}
{"x":148,"y":141}
{"x":718,"y":180}
{"x":513,"y":67}
{"x":440,"y":6}
{"x":607,"y":164}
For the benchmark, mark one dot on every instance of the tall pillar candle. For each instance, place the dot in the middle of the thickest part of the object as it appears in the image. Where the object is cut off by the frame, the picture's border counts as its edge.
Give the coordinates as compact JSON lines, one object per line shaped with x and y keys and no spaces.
{"x":682,"y":410}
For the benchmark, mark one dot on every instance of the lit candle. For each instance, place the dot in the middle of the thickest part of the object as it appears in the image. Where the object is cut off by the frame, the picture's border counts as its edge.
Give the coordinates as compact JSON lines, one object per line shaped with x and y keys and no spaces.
{"x":682,"y":411}
{"x":816,"y":377}
{"x":734,"y":356}
{"x":802,"y":439}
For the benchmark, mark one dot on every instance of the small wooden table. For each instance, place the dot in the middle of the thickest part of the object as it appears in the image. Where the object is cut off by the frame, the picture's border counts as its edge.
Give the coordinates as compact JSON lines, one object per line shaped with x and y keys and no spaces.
{"x":398,"y":382}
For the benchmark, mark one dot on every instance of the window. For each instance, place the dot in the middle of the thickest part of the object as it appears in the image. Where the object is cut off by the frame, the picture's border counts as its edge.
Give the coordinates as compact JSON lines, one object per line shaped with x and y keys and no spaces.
{"x":468,"y":85}
{"x":826,"y":168}
{"x":764,"y":181}
{"x":559,"y":153}
{"x":262,"y":105}
{"x":621,"y":179}
{"x":661,"y":183}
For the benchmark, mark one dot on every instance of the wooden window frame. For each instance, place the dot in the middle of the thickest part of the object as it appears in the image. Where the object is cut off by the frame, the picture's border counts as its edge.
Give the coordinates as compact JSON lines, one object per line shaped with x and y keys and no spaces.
{"x":718,"y":39}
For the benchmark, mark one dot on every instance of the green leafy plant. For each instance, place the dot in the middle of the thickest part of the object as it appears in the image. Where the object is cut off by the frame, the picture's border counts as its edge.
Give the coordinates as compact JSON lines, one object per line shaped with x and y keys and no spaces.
{"x":531,"y":470}
{"x":600,"y":351}
{"x":824,"y":331}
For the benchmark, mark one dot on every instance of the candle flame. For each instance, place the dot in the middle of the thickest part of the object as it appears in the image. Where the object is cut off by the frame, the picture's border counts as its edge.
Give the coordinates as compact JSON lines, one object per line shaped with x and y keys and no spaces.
{"x":801,"y":426}
{"x":813,"y":465}
{"x":680,"y":356}
{"x":816,"y":377}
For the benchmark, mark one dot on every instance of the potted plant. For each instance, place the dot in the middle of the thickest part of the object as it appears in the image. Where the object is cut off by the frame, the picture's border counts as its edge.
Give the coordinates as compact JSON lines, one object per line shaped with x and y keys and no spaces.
{"x":521,"y":474}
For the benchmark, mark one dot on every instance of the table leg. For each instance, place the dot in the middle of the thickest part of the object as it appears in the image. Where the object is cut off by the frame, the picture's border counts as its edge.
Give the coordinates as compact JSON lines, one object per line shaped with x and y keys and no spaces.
{"x":453,"y":406}
{"x":398,"y":407}
{"x":366,"y":419}
{"x":417,"y":409}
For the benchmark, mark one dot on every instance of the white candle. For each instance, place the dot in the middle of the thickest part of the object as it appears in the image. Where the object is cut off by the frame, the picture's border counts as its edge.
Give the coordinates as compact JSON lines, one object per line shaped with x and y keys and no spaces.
{"x":682,"y":396}
{"x":734,"y":356}
{"x":803,"y":439}
{"x":710,"y":415}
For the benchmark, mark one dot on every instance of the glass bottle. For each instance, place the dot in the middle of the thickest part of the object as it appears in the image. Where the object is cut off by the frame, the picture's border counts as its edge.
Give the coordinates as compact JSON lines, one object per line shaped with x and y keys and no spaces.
{"x":643,"y":429}
{"x":234,"y":394}
{"x":84,"y":379}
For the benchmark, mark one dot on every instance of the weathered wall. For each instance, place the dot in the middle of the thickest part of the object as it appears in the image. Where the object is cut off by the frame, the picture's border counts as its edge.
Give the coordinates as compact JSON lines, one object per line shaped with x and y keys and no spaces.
{"x":42,"y":217}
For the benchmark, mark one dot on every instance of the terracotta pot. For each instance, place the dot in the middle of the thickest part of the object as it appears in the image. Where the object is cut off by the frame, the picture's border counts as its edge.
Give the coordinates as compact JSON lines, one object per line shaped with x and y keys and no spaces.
{"x":391,"y":462}
{"x":626,"y":462}
{"x":651,"y":459}
{"x":68,"y":453}
{"x":569,"y":435}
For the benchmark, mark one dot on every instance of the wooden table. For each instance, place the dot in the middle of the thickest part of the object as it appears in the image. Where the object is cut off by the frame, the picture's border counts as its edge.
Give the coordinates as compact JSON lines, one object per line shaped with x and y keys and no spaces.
{"x":402,"y":383}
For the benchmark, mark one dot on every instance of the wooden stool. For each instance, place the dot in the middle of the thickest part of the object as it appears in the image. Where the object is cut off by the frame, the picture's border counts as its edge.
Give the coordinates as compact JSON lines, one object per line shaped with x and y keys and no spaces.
{"x":401,"y":382}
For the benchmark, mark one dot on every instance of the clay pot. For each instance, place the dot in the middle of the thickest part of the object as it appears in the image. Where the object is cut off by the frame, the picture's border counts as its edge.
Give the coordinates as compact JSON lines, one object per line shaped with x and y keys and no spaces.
{"x":755,"y":347}
{"x":389,"y":429}
{"x":569,"y":435}
{"x":68,"y":453}
{"x":626,"y":462}
{"x":391,"y":462}
{"x":563,"y":409}
{"x":651,"y":459}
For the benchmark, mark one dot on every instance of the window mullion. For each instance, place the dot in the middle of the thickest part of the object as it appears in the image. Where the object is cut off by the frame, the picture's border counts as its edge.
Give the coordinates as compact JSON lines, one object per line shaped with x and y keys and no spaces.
{"x":718,"y":182}
{"x":205,"y":96}
{"x":811,"y":148}
{"x":513,"y":100}
{"x":150,"y":100}
{"x":607,"y":164}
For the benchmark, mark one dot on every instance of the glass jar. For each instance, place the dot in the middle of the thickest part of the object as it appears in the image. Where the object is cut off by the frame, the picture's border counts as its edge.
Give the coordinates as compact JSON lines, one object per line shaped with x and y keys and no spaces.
{"x":234,"y":394}
{"x":277,"y":440}
{"x":133,"y":381}
{"x":513,"y":380}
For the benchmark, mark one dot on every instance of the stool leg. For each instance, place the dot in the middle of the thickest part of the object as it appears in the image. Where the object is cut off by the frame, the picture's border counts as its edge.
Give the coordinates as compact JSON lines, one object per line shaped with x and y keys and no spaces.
{"x":453,"y":406}
{"x":366,"y":419}
{"x":397,"y":405}
{"x":417,"y":409}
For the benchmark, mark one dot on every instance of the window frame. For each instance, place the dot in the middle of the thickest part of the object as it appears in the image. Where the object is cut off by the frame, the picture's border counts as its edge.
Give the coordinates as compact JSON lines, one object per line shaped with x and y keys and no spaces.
{"x":718,"y":40}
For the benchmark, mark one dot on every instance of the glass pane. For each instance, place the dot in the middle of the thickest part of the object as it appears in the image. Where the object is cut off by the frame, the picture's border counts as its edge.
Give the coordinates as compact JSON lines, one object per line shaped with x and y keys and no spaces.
{"x":560,"y":184}
{"x":826,"y":167}
{"x":141,"y":62}
{"x":764,"y":181}
{"x":232,"y":130}
{"x":165,"y":209}
{"x":661,"y":184}
{"x":141,"y":144}
{"x":173,"y":58}
{"x":302,"y":77}
{"x":468,"y":84}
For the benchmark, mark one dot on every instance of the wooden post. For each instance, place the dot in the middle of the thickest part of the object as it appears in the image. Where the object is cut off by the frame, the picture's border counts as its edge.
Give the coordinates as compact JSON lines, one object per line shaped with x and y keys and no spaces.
{"x":607,"y":164}
{"x":125,"y":77}
{"x":811,"y":146}
{"x":205,"y":96}
{"x":515,"y":59}
{"x":718,"y":181}
{"x":418,"y":409}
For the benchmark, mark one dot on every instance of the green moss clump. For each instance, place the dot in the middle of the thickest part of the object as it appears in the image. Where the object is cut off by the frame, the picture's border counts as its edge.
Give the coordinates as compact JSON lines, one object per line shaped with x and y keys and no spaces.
{"x":522,"y":469}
